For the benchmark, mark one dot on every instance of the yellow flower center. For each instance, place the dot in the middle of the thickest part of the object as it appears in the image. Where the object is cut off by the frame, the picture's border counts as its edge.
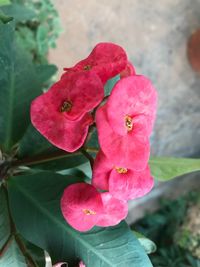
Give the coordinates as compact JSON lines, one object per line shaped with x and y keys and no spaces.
{"x":128,"y":123}
{"x":66,"y":106}
{"x":89,"y":212}
{"x":87,"y":67}
{"x":121,"y":170}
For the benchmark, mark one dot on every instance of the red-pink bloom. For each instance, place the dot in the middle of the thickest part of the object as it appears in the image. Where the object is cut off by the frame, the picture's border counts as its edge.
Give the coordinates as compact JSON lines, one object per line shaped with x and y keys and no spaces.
{"x":129,"y":184}
{"x":125,"y":122}
{"x":106,"y":60}
{"x":121,"y":182}
{"x":81,"y":264}
{"x":132,"y":104}
{"x":61,"y":114}
{"x":131,"y":150}
{"x":81,"y":205}
{"x":115,"y":210}
{"x":128,"y":71}
{"x":61,"y":264}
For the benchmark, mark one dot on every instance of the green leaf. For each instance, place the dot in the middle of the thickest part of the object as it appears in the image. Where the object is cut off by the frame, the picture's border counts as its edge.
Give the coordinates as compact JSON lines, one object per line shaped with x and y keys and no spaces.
{"x":163,"y":168}
{"x":4,"y":219}
{"x":110,"y":83}
{"x":19,"y":85}
{"x":4,"y":18}
{"x":19,"y":12}
{"x":4,"y":2}
{"x":13,"y":257}
{"x":35,"y":205}
{"x":148,"y":245}
{"x":36,"y":253}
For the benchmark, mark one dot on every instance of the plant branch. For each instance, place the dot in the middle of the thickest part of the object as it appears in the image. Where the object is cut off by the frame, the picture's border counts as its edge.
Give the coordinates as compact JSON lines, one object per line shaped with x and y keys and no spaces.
{"x":51,"y":156}
{"x":6,"y":245}
{"x":14,"y":234}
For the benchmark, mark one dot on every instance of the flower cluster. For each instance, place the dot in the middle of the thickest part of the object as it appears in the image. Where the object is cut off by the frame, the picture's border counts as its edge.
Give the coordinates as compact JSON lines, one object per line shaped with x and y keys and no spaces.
{"x":124,"y":123}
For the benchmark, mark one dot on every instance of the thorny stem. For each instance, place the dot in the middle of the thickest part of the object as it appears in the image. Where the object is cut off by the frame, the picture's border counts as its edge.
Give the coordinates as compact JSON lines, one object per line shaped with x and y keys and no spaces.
{"x":14,"y":234}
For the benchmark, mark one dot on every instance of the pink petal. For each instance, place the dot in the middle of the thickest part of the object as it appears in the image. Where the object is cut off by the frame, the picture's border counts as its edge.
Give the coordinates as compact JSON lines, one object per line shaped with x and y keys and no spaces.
{"x":81,"y":264}
{"x":106,"y":60}
{"x":115,"y":210}
{"x":83,"y":89}
{"x":101,"y":171}
{"x":133,"y":96}
{"x":60,"y":264}
{"x":52,"y":124}
{"x":130,"y":150}
{"x":81,"y":205}
{"x":130,"y":185}
{"x":129,"y":71}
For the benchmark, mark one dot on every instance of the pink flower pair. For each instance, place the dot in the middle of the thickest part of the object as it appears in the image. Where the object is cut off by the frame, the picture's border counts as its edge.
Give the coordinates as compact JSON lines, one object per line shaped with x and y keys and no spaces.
{"x":63,"y":114}
{"x":83,"y":207}
{"x":124,"y":125}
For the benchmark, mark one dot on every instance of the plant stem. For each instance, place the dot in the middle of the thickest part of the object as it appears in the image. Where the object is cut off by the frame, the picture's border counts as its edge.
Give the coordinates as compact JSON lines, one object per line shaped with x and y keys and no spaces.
{"x":6,"y":245}
{"x":53,"y":156}
{"x":14,"y":234}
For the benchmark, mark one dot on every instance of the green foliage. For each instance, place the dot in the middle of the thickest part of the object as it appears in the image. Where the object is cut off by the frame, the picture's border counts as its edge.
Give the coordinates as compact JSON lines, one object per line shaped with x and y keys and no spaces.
{"x":18,"y":12}
{"x":148,"y":245}
{"x":38,"y":197}
{"x":20,"y":82}
{"x":39,"y":33}
{"x":110,"y":83}
{"x":163,"y":168}
{"x":162,"y":227}
{"x":4,"y":2}
{"x":4,"y":219}
{"x":4,"y":18}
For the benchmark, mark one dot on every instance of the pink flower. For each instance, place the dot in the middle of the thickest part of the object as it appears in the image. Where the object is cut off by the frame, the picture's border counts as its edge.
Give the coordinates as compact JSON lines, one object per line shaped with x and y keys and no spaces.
{"x":121,"y":182}
{"x":125,"y":122}
{"x":128,"y":71}
{"x":61,"y":114}
{"x":130,"y":149}
{"x":61,"y":264}
{"x":106,"y":60}
{"x":81,"y":264}
{"x":115,"y":210}
{"x":81,"y":205}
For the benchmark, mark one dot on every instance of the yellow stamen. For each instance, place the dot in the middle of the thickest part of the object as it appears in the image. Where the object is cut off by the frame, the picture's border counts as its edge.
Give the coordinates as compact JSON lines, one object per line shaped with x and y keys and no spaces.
{"x":89,"y":212}
{"x":87,"y":67}
{"x":121,"y":170}
{"x":129,"y":123}
{"x":66,"y":106}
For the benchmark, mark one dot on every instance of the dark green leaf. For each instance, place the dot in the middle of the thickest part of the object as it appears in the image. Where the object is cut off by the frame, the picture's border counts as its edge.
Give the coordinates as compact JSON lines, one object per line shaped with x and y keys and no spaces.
{"x":19,"y":84}
{"x":19,"y":12}
{"x":36,"y":253}
{"x":4,"y":219}
{"x":163,"y":168}
{"x":35,"y":205}
{"x":109,"y":85}
{"x":13,"y":257}
{"x":4,"y":18}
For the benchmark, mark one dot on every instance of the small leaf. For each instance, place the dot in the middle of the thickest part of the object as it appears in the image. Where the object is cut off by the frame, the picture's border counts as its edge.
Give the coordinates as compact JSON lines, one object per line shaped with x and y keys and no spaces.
{"x":163,"y":168}
{"x":148,"y":245}
{"x":36,"y":198}
{"x":4,"y":18}
{"x":19,"y":12}
{"x":110,"y":83}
